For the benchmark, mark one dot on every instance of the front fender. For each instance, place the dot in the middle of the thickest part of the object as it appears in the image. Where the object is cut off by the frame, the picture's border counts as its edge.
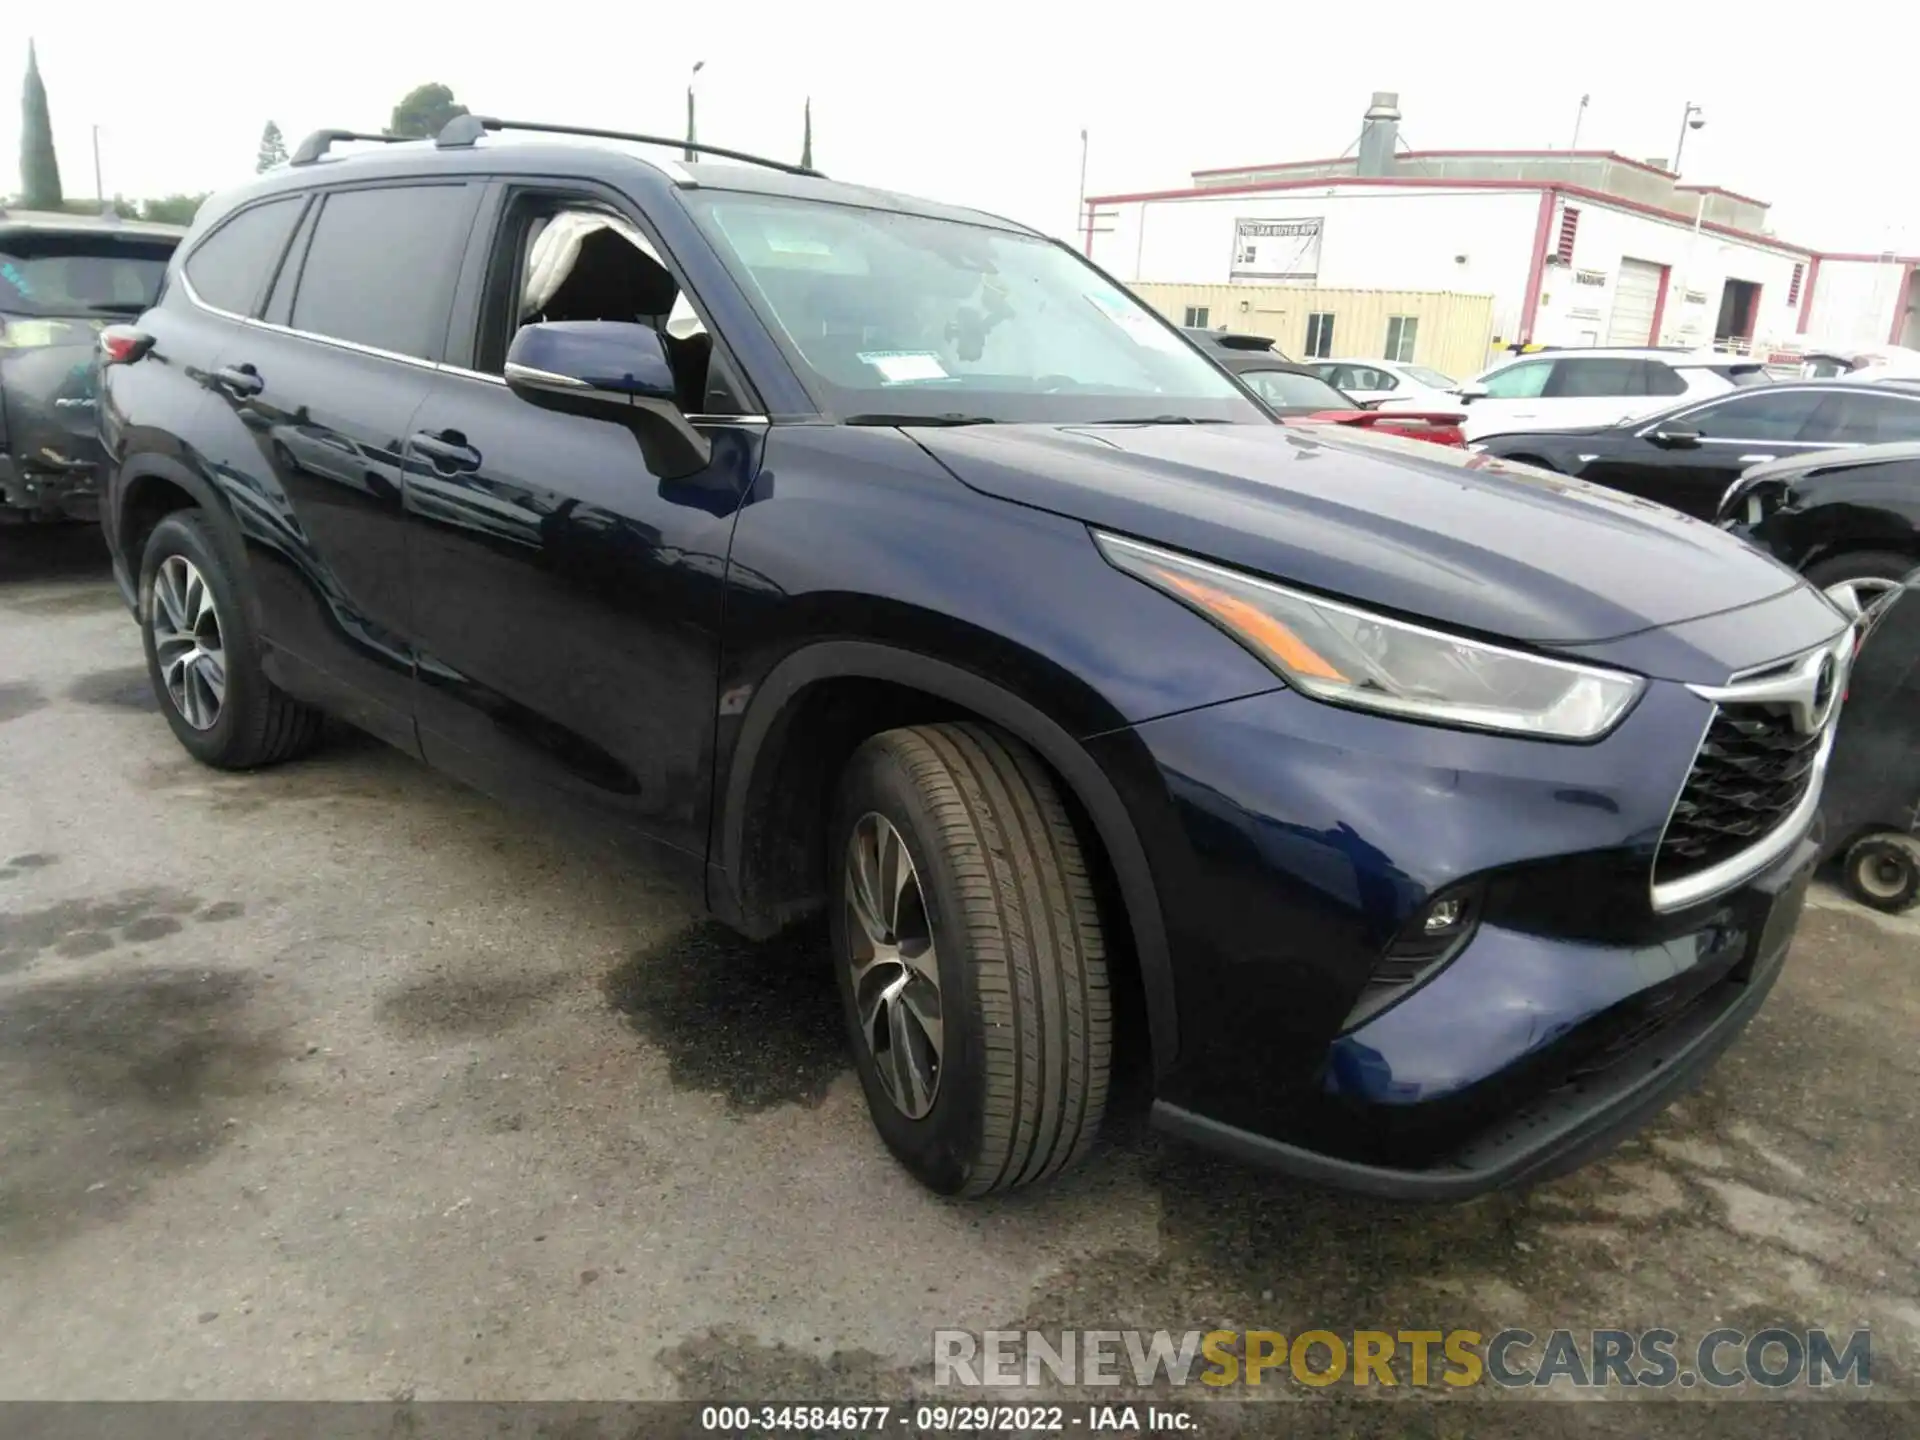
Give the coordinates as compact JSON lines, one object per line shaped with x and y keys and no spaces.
{"x":760,"y":742}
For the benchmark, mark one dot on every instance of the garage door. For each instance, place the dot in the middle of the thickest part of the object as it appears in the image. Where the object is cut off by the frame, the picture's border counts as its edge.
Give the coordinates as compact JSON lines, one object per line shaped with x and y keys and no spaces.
{"x":1636,"y":295}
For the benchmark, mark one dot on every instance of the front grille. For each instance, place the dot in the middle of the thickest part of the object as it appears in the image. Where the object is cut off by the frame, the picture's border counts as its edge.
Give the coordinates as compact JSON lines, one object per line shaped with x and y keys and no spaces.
{"x":1753,"y":768}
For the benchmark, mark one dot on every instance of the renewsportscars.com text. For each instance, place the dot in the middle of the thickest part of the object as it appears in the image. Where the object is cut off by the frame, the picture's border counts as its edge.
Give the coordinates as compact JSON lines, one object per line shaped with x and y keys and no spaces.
{"x":1772,"y":1358}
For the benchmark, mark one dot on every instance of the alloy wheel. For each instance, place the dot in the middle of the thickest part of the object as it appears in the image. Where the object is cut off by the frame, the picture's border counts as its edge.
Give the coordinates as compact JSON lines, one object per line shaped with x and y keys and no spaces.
{"x":187,"y":642}
{"x":1856,"y":597}
{"x":896,"y":974}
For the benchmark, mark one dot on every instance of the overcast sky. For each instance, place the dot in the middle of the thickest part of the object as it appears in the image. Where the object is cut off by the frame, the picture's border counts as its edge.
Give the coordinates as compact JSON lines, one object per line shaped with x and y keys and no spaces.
{"x":983,"y":103}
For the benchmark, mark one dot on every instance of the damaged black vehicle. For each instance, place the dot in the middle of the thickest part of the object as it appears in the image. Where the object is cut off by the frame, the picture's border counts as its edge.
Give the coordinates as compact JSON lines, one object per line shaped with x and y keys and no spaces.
{"x":63,"y":279}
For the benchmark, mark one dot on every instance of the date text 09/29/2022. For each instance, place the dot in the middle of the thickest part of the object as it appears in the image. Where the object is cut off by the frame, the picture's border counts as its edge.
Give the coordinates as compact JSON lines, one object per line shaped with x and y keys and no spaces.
{"x":946,"y":1419}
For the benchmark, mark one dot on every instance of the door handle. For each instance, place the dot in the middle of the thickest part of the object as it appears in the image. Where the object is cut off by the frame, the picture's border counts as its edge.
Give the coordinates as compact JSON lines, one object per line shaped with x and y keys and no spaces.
{"x":1754,"y":459}
{"x":239,"y":381}
{"x":448,"y":449}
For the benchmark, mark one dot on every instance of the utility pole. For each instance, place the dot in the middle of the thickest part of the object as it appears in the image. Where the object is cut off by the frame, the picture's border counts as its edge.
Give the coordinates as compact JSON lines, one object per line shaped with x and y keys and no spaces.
{"x":688,"y":153}
{"x":1081,"y":217}
{"x":99,"y":190}
{"x":1578,"y":116}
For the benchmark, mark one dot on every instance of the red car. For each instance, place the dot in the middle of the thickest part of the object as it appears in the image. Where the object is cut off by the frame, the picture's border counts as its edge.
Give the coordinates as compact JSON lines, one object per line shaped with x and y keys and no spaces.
{"x":1299,"y":396}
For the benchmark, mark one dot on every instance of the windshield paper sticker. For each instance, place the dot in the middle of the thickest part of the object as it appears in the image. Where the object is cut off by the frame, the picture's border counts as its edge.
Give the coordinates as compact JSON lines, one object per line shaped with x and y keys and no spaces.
{"x":1137,"y":327}
{"x":905,"y":367}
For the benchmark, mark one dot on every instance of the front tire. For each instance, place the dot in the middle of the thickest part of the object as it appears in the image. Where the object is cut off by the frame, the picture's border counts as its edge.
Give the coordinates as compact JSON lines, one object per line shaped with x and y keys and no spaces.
{"x":203,"y":655}
{"x":1855,"y":581}
{"x":971,"y":963}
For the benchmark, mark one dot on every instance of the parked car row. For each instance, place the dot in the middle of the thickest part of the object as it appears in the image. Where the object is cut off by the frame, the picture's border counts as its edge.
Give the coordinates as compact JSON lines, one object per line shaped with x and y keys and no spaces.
{"x":1570,"y":389}
{"x":1688,"y":455}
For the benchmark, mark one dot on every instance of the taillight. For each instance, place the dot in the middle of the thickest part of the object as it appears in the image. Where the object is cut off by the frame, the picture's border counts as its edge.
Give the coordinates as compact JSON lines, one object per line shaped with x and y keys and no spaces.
{"x":122,"y":344}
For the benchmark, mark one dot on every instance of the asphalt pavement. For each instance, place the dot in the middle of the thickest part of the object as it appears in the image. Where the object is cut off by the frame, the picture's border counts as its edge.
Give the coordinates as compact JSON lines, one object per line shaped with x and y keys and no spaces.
{"x":340,"y":1081}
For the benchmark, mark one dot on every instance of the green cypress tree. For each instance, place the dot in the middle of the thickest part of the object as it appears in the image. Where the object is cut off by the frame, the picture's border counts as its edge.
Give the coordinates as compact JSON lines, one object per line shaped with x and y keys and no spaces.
{"x":806,"y":142}
{"x":39,"y":165}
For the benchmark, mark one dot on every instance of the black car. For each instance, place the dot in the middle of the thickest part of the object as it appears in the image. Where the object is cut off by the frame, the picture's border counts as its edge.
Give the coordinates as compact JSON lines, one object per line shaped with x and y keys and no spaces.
{"x":63,"y":278}
{"x":1688,"y":456}
{"x":848,"y":552}
{"x":1847,"y":519}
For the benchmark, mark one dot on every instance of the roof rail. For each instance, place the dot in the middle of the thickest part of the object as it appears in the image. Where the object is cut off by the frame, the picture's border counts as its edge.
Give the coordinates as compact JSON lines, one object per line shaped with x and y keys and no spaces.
{"x":464,"y":130}
{"x":318,"y":143}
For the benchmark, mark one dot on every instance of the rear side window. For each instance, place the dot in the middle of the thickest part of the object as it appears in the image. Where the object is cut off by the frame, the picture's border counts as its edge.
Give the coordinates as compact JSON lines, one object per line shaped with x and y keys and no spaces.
{"x":1851,"y":418}
{"x":1289,"y":389}
{"x":1519,"y":382}
{"x":381,"y":266}
{"x":232,"y":266}
{"x":1602,"y":376}
{"x":1664,"y":379}
{"x":1365,"y":377}
{"x":1759,"y":416}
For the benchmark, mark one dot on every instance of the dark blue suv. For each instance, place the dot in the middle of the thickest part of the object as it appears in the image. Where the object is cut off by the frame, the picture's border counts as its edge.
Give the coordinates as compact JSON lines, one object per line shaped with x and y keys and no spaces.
{"x":850,"y":551}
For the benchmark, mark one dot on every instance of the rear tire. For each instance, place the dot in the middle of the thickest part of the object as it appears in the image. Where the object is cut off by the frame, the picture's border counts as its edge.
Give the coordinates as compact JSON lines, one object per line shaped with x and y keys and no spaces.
{"x":203,"y":654}
{"x":1000,"y":1078}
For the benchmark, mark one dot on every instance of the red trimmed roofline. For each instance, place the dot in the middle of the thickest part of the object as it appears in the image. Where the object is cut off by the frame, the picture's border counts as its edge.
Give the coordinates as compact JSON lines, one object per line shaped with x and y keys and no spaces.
{"x":1861,"y":258}
{"x":1613,"y":155}
{"x":1408,"y":182}
{"x":1730,"y":194}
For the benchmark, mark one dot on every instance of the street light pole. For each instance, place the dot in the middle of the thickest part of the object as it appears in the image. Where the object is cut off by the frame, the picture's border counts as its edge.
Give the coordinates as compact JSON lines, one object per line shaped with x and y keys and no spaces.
{"x":1690,"y":119}
{"x":688,"y":153}
{"x":1578,"y":116}
{"x":1081,"y":218}
{"x":99,"y":190}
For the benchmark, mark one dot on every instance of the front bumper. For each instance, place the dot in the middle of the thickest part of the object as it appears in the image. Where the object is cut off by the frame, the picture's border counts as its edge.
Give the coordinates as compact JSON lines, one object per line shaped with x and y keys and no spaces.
{"x":1646,"y":1062}
{"x":1292,"y":843}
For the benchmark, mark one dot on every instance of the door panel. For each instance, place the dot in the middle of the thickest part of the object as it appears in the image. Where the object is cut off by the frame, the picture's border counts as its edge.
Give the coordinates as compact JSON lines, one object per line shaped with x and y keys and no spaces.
{"x":307,"y":439}
{"x":567,"y":607}
{"x":1735,"y":432}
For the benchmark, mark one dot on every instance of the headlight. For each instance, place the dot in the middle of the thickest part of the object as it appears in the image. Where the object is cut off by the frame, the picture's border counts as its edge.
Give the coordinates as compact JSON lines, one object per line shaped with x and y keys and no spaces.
{"x":1346,"y":656}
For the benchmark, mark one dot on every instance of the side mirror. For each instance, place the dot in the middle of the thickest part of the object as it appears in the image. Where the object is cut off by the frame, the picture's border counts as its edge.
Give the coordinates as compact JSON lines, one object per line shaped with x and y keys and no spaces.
{"x":609,"y":370}
{"x":1469,"y":392}
{"x":1675,"y":437}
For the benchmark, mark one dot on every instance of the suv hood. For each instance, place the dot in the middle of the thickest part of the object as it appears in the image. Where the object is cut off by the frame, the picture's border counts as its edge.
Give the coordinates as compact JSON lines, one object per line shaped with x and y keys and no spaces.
{"x":1465,"y":540}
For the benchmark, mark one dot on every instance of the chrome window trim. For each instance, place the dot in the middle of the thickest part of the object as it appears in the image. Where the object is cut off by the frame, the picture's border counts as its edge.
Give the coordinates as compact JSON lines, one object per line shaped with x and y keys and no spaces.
{"x":333,"y":340}
{"x":1778,"y":682}
{"x":533,"y":375}
{"x":1781,"y":387}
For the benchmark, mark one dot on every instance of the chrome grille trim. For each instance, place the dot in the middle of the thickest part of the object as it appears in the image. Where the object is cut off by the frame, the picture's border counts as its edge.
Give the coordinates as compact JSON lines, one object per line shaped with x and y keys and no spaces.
{"x":1793,"y":684}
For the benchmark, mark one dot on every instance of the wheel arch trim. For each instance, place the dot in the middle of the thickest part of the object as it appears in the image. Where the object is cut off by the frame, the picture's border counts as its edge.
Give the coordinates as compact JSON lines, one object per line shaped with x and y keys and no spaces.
{"x":1077,"y":769}
{"x":148,"y":465}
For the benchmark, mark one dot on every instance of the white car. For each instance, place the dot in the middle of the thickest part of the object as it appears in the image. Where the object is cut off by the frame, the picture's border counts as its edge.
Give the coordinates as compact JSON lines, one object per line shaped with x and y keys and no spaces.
{"x":1371,"y":381}
{"x":1572,"y":389}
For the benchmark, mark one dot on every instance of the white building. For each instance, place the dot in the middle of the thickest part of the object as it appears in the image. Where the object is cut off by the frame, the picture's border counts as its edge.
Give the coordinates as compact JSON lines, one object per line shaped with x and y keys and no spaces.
{"x":1575,"y":247}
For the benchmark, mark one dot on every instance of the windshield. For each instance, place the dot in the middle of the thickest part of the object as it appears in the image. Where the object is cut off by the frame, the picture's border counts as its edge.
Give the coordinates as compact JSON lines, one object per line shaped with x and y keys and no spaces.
{"x":55,"y":274}
{"x":1288,"y":389}
{"x":890,"y":314}
{"x":1431,"y":377}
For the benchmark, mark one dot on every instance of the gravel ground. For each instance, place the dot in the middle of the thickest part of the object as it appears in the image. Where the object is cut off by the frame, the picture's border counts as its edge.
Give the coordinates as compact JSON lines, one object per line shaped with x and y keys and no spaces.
{"x":339,"y":1081}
